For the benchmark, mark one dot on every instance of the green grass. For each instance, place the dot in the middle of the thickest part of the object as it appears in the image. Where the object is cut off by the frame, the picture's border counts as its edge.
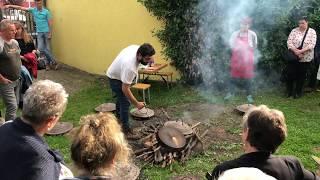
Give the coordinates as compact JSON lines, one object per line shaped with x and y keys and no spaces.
{"x":303,"y":116}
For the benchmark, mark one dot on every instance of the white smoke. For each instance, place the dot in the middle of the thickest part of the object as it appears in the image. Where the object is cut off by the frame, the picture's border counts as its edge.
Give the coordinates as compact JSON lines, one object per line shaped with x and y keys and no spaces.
{"x":218,"y":20}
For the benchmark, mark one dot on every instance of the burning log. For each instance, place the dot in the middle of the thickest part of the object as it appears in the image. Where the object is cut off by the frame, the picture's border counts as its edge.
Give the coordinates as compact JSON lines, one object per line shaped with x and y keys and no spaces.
{"x":195,"y":125}
{"x":144,"y":154}
{"x":141,"y":150}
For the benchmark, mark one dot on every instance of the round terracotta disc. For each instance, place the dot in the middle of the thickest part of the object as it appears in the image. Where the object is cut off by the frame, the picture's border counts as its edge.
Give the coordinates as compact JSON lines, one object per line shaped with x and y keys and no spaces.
{"x":172,"y":137}
{"x":244,"y":108}
{"x":142,"y":113}
{"x":60,"y":128}
{"x":106,"y":107}
{"x":181,"y":126}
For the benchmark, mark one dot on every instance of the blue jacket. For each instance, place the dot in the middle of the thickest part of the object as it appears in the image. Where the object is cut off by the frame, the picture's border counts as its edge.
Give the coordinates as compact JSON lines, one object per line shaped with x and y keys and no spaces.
{"x":24,"y":155}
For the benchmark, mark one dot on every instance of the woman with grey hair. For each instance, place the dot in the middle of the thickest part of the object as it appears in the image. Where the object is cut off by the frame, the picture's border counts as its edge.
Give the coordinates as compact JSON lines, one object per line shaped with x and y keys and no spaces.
{"x":24,"y":154}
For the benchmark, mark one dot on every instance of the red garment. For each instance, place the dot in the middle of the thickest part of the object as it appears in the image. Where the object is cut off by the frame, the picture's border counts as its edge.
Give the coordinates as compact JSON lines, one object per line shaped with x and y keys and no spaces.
{"x":32,"y":64}
{"x":242,"y":59}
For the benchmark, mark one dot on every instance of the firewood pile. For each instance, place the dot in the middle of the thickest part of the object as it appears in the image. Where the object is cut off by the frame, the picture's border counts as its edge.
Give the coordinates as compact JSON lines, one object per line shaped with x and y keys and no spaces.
{"x":169,"y":141}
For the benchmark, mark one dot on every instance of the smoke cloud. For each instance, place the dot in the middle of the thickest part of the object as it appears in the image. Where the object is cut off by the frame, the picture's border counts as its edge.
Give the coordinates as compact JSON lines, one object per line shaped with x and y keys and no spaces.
{"x":218,"y":19}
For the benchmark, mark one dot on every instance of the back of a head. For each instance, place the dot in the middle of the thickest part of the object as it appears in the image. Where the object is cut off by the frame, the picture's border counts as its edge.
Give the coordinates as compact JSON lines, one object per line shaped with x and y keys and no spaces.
{"x":146,"y":49}
{"x":245,"y":174}
{"x":97,"y":143}
{"x":266,"y":128}
{"x":44,"y":99}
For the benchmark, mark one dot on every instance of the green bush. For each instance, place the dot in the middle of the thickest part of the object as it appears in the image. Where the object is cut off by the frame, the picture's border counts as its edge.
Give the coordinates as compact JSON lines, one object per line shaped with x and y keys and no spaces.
{"x":184,"y":45}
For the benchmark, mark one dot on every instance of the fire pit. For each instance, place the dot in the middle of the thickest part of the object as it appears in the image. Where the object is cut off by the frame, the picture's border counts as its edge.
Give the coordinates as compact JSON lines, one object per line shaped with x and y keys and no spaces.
{"x":170,"y":141}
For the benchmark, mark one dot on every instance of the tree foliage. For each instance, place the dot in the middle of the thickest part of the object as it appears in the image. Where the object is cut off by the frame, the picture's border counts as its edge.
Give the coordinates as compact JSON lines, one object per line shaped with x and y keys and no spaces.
{"x":184,"y":43}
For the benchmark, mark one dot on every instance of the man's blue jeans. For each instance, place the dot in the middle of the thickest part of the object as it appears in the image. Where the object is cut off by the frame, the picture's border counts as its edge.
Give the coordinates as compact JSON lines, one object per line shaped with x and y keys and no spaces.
{"x":44,"y":46}
{"x":122,"y":104}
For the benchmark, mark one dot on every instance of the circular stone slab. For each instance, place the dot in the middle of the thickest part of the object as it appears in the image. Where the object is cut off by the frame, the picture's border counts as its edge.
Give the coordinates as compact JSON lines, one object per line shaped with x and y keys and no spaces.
{"x":60,"y":128}
{"x":143,"y":113}
{"x":244,"y":108}
{"x":172,"y":137}
{"x":181,"y":126}
{"x":106,"y":107}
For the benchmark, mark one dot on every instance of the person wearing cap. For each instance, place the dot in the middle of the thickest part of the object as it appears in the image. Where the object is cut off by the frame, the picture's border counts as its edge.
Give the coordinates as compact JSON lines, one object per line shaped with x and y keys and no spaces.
{"x":243,"y":43}
{"x":121,"y":74}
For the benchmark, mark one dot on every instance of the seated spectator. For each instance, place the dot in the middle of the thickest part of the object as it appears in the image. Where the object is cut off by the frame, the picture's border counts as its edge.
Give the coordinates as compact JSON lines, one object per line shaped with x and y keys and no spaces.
{"x":264,"y":130}
{"x":24,"y":154}
{"x":245,"y":174}
{"x":28,"y":49}
{"x":99,"y":144}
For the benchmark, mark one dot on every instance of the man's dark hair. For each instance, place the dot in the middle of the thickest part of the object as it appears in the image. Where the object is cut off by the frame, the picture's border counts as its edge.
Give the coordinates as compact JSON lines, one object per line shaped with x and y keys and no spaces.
{"x":266,"y":128}
{"x":146,"y":49}
{"x":38,"y":0}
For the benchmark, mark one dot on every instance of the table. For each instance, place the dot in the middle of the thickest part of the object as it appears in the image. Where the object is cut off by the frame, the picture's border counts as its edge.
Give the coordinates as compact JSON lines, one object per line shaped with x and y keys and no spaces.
{"x":155,"y":70}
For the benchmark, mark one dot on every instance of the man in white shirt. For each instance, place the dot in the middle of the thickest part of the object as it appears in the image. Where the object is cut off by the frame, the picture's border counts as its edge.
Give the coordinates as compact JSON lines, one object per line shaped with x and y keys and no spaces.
{"x":121,"y":74}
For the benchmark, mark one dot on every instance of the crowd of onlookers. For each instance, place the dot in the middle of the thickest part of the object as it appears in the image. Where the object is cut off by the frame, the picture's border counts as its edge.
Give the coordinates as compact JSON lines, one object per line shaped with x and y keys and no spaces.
{"x":20,"y":58}
{"x":99,"y":144}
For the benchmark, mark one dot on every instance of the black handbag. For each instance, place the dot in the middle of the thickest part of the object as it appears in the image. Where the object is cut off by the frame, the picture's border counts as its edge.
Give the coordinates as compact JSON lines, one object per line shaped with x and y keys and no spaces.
{"x":290,"y":56}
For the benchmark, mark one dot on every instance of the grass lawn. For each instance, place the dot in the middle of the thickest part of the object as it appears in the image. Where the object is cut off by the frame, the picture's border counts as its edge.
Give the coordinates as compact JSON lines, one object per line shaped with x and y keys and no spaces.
{"x":303,"y":116}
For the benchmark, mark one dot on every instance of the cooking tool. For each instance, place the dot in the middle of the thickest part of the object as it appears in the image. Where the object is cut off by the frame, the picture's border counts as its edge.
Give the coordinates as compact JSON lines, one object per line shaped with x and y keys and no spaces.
{"x":182,"y":127}
{"x":106,"y":107}
{"x":60,"y":128}
{"x":172,"y":137}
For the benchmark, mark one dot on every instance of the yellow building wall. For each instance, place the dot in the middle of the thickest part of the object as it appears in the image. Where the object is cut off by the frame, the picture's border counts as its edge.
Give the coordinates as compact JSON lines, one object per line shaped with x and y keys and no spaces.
{"x":88,"y":34}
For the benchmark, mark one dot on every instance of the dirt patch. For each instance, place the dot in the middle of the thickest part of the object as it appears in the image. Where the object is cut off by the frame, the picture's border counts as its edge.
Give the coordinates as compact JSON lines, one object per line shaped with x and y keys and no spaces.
{"x":316,"y":149}
{"x":71,"y":78}
{"x":222,"y":122}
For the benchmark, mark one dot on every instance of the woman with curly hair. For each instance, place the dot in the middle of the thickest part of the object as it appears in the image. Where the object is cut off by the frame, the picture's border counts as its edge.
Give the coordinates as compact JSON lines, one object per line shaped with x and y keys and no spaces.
{"x":99,"y":144}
